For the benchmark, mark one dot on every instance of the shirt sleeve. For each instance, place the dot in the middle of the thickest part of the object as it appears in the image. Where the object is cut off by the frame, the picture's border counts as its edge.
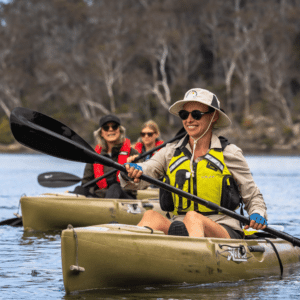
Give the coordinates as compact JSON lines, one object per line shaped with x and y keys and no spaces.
{"x":238,"y":166}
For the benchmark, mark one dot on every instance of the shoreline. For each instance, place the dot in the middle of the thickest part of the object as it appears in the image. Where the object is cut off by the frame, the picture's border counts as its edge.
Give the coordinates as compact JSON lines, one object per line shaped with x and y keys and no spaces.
{"x":17,"y":148}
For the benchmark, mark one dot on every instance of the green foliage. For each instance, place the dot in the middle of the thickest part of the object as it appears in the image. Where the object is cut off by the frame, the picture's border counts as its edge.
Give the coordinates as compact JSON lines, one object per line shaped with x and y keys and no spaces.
{"x":269,"y":142}
{"x":133,"y":130}
{"x":68,"y":114}
{"x":266,"y":109}
{"x":296,"y":108}
{"x":287,"y":132}
{"x":69,"y":51}
{"x":6,"y":136}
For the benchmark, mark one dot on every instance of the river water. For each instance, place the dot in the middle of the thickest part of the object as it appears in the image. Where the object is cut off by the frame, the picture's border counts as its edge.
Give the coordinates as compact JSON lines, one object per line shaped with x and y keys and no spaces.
{"x":30,"y":263}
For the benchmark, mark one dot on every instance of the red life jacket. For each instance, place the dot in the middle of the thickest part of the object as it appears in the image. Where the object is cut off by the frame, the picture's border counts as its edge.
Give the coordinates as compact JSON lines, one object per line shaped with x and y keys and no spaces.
{"x":139,"y":146}
{"x":122,"y":159}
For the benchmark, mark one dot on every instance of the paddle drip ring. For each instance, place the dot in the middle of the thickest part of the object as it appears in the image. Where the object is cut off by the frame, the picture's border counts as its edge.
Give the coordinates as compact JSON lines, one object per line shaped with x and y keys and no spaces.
{"x":75,"y":268}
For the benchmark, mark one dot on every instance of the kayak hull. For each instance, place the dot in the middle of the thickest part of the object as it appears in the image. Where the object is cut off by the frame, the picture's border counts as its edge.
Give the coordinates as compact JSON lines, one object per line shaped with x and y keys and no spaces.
{"x":117,"y":255}
{"x":57,"y":211}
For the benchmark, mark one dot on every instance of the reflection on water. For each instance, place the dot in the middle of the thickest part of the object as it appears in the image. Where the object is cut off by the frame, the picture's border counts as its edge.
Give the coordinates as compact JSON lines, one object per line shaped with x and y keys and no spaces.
{"x":270,"y":288}
{"x":30,"y":262}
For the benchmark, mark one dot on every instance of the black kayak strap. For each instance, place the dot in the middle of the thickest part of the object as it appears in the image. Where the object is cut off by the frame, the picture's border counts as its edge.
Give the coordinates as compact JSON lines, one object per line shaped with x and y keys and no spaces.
{"x":149,"y":228}
{"x":278,"y":257}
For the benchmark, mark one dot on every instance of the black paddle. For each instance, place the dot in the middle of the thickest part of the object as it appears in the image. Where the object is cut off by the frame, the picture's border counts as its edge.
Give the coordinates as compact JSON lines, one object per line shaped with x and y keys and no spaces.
{"x":62,"y":179}
{"x":44,"y":134}
{"x":12,"y":222}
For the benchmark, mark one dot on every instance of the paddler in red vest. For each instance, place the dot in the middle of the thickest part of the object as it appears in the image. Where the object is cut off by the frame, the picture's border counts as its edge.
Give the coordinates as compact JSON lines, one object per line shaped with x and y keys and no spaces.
{"x":112,"y":143}
{"x":149,"y":138}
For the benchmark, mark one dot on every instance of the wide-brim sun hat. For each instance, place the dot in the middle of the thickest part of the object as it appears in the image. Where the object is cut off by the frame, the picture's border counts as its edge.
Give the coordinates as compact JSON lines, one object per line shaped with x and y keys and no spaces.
{"x":205,"y":97}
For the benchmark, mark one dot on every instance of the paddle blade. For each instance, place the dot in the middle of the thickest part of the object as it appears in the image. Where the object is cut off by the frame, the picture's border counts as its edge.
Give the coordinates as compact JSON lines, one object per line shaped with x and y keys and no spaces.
{"x":57,"y":179}
{"x":12,"y":222}
{"x":44,"y":134}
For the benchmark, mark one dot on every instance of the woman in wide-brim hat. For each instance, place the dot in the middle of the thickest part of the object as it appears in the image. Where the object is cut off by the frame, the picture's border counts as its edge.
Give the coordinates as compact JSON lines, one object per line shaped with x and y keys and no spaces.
{"x":205,"y":165}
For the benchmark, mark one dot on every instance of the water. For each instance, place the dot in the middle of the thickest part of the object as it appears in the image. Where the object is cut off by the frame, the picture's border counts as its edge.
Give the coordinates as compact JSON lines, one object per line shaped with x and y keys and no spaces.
{"x":30,"y":263}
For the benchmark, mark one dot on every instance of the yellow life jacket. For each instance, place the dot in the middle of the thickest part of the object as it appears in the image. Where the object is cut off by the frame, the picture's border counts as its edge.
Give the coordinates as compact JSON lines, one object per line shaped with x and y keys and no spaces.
{"x":212,"y":181}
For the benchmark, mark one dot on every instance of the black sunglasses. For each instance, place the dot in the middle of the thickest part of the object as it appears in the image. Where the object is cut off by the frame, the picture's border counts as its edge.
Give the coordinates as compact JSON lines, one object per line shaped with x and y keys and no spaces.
{"x":196,"y":114}
{"x":114,"y":127}
{"x":150,"y":134}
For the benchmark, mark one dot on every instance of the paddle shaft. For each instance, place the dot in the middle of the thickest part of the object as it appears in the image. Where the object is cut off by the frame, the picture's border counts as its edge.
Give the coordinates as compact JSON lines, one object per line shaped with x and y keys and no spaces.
{"x":141,"y":156}
{"x":208,"y":204}
{"x":44,"y":134}
{"x":62,"y":179}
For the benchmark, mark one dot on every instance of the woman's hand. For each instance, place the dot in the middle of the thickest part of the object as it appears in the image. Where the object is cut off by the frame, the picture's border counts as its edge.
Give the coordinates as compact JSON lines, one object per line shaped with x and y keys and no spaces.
{"x":134,"y":171}
{"x":131,"y":158}
{"x":257,"y":222}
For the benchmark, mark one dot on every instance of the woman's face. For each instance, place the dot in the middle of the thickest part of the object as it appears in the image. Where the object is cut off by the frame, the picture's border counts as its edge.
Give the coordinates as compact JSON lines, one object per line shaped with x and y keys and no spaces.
{"x":148,"y":136}
{"x":110,"y":132}
{"x":196,"y":128}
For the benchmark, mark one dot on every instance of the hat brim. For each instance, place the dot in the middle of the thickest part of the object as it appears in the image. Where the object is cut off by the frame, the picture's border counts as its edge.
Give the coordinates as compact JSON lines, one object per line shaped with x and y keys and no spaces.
{"x":222,"y":122}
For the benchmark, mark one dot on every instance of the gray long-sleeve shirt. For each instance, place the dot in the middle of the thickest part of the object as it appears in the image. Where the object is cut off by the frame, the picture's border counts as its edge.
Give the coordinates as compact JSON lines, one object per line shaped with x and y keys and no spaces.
{"x":236,"y":163}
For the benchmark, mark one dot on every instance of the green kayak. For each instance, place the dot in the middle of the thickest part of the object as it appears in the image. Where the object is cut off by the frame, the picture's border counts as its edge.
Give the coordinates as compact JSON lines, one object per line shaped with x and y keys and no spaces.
{"x":57,"y":211}
{"x":118,"y":255}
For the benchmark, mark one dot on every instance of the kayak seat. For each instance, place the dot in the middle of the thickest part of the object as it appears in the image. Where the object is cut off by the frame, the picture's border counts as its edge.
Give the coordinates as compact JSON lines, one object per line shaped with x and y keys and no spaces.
{"x":178,"y":228}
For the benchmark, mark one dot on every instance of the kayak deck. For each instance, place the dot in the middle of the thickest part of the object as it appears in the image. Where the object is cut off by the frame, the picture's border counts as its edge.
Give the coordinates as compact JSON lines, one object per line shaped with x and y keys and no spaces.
{"x":57,"y":211}
{"x":116,"y":255}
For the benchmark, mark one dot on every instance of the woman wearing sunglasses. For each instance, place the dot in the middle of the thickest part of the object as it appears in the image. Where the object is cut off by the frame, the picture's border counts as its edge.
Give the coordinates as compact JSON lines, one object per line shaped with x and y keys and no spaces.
{"x":111,"y":142}
{"x":149,"y":138}
{"x":203,"y":164}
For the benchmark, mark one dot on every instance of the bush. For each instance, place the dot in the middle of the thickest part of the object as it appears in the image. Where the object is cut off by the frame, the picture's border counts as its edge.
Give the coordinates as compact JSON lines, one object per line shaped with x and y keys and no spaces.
{"x":269,"y":142}
{"x":287,"y":132}
{"x":6,"y":137}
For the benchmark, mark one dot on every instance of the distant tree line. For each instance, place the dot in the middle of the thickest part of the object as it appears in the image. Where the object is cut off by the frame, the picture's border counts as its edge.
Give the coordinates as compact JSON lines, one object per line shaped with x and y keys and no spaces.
{"x":77,"y":60}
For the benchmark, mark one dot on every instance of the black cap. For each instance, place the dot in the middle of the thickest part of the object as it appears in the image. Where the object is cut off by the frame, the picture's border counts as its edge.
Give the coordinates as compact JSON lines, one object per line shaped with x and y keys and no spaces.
{"x":109,"y":118}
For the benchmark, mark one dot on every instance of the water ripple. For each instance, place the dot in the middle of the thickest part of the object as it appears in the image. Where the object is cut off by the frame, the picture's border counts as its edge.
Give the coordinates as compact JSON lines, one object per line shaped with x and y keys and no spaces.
{"x":30,"y":263}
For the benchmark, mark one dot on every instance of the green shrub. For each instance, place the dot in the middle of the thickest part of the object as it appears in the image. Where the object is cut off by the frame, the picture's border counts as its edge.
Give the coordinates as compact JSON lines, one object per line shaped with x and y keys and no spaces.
{"x":269,"y":142}
{"x":6,"y":136}
{"x":287,"y":132}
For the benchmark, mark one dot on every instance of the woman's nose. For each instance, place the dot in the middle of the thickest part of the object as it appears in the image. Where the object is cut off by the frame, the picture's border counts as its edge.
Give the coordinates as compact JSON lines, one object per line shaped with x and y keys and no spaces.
{"x":190,"y":118}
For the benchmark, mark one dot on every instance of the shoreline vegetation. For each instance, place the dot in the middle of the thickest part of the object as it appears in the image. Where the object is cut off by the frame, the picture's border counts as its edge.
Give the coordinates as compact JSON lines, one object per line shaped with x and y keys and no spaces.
{"x":81,"y":60}
{"x":257,"y":136}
